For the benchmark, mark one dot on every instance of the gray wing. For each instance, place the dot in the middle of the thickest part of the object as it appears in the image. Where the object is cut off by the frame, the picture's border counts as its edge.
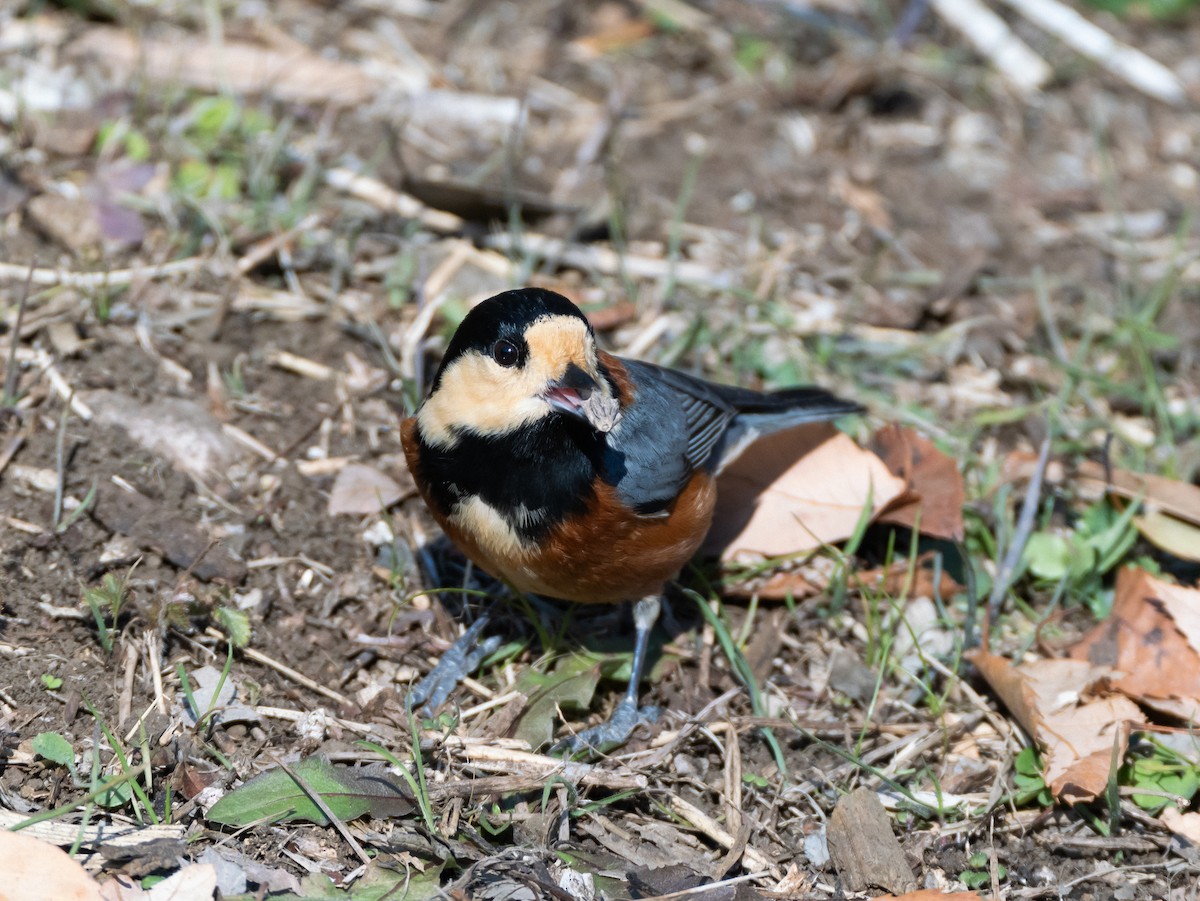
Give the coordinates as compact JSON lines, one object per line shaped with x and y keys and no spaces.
{"x":652,"y":452}
{"x":680,"y":423}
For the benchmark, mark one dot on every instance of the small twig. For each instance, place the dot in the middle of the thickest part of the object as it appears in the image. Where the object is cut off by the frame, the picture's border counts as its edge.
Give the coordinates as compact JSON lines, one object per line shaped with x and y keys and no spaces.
{"x":112,"y":278}
{"x":10,"y":373}
{"x":315,"y":797}
{"x":60,"y":461}
{"x":1012,"y":559}
{"x":297,"y":677}
{"x":61,"y":387}
{"x":990,"y":35}
{"x":10,"y":451}
{"x":379,"y":195}
{"x":1128,"y":63}
{"x":605,"y":261}
{"x":262,"y":250}
{"x":699,"y":889}
{"x":753,"y":858}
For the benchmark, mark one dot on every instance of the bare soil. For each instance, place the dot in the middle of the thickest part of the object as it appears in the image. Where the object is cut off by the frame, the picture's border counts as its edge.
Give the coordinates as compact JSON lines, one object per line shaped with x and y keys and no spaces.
{"x":905,"y":186}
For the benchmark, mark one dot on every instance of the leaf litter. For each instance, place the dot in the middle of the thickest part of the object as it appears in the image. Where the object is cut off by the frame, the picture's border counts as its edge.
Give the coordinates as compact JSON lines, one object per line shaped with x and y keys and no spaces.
{"x":312,"y":583}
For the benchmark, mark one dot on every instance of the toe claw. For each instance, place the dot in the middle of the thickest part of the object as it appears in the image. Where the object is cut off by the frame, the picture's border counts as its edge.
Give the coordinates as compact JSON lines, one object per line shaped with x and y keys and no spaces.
{"x":456,"y":664}
{"x":611,"y":734}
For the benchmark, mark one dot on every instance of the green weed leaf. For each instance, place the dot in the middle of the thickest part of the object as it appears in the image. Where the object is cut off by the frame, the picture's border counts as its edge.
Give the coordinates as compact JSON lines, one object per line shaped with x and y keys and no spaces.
{"x":277,"y":797}
{"x":1048,"y":555}
{"x":572,"y":684}
{"x":236,"y":625}
{"x":54,"y":748}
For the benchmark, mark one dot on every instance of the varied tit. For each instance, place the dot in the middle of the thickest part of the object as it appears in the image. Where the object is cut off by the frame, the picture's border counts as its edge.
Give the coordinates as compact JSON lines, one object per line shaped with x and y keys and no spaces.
{"x":575,"y":474}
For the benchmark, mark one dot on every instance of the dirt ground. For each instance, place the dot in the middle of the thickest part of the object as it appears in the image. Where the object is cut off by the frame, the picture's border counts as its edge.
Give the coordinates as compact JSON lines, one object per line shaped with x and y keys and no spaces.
{"x":763,"y":195}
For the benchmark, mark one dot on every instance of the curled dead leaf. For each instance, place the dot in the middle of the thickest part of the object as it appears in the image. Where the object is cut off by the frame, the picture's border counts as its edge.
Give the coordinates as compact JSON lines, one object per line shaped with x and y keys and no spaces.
{"x":933,"y":501}
{"x":1179,"y":499}
{"x":796,"y":491}
{"x":1057,"y":703}
{"x":1152,"y":640}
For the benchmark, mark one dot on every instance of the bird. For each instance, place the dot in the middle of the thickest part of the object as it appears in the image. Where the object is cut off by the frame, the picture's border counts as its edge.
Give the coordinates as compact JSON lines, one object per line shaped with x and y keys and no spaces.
{"x":572,"y":473}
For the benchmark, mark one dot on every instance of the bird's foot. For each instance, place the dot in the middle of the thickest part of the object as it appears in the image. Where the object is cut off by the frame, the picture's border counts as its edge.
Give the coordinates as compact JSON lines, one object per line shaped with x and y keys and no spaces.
{"x":459,"y":661}
{"x":611,"y":734}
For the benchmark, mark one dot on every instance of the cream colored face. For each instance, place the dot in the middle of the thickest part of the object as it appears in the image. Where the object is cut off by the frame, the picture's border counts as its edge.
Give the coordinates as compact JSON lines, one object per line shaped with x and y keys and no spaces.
{"x":477,"y":394}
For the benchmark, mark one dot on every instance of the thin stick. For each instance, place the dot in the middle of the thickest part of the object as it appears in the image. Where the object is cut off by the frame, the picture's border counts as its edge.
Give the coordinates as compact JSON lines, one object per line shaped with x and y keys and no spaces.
{"x":60,"y":441}
{"x":1023,"y":69}
{"x":114,"y":277}
{"x":1128,"y":63}
{"x":10,"y":451}
{"x":296,"y":676}
{"x":315,"y":797}
{"x":1012,"y":559}
{"x":10,"y":373}
{"x":752,"y":857}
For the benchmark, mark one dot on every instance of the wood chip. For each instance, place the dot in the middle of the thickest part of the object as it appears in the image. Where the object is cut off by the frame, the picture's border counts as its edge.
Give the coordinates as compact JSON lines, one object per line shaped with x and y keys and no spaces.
{"x":864,"y":848}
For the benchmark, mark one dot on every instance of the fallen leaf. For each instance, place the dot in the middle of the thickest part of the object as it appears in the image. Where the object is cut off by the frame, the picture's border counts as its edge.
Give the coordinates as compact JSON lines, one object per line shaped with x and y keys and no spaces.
{"x":34,"y":869}
{"x":197,"y":882}
{"x":934,"y":501}
{"x":613,"y":317}
{"x":613,"y":36}
{"x":1158,"y":494}
{"x":1152,"y":640}
{"x":1049,"y":698}
{"x":796,"y":491}
{"x":868,"y":203}
{"x":348,"y":792}
{"x":1175,"y":536}
{"x":930,"y":894}
{"x":361,"y":490}
{"x":571,"y":685}
{"x":1185,"y":824}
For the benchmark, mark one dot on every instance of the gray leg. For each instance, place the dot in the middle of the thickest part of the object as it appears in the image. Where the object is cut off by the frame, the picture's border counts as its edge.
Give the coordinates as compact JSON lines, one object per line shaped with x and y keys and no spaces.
{"x":627,"y":716}
{"x":456,"y":664}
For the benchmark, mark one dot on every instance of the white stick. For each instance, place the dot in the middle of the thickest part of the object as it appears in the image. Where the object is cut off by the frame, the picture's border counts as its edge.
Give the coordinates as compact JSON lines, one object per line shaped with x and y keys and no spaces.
{"x":990,"y":35}
{"x":1147,"y":75}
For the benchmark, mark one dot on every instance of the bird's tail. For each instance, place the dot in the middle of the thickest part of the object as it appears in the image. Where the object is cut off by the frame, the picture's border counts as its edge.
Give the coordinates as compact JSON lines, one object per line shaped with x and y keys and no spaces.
{"x":761,"y":414}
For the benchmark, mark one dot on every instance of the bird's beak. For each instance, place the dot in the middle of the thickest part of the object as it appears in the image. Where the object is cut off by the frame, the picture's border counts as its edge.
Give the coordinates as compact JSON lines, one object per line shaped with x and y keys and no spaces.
{"x":570,"y":393}
{"x":578,"y":394}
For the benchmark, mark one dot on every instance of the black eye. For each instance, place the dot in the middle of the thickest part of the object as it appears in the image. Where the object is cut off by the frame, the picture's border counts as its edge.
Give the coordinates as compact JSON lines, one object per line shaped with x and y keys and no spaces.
{"x":506,"y":353}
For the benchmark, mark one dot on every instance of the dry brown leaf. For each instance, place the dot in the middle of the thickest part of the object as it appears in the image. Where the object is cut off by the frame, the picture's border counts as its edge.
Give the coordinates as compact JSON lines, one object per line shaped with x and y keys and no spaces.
{"x":1049,"y":699}
{"x":935,"y":497}
{"x":1152,"y":639}
{"x":36,"y":869}
{"x":361,"y":490}
{"x":1185,"y":824}
{"x":796,"y":584}
{"x":930,"y":894}
{"x":794,"y":492}
{"x":612,"y":36}
{"x":1179,"y":499}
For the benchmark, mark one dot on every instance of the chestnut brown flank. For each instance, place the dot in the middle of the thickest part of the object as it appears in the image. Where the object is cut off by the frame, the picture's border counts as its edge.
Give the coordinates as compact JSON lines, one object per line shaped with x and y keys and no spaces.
{"x":608,"y":555}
